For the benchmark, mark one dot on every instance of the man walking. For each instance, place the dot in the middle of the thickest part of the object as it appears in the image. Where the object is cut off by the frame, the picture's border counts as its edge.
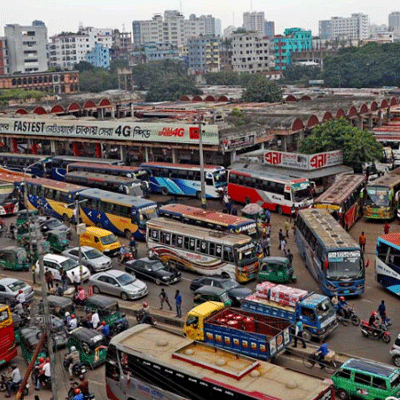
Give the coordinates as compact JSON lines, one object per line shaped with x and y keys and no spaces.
{"x":287,"y":227}
{"x":164,"y":298}
{"x":266,"y":246}
{"x":178,"y":304}
{"x":362,"y":240}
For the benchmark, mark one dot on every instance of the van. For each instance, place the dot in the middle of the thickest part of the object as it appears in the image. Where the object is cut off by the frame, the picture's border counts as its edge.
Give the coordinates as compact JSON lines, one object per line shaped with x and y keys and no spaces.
{"x":101,"y":239}
{"x":367,"y":380}
{"x":211,"y":293}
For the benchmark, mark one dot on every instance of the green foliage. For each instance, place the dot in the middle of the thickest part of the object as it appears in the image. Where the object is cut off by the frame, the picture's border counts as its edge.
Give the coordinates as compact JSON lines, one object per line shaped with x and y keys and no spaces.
{"x":97,"y":80}
{"x":260,"y":89}
{"x":373,"y":65}
{"x":239,"y":117}
{"x":118,"y":63}
{"x":155,"y":72}
{"x":84,"y":66}
{"x":171,"y":89}
{"x":302,"y":73}
{"x":20,"y":94}
{"x":358,"y":146}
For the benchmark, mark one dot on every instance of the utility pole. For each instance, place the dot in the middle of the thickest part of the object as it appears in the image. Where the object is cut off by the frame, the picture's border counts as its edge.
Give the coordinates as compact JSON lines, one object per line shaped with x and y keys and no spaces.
{"x":203,"y":183}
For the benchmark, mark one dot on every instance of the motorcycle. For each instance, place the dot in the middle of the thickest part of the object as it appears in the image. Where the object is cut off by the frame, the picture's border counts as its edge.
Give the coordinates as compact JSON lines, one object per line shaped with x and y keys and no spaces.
{"x":46,"y":382}
{"x":139,"y":316}
{"x":3,"y":386}
{"x":77,"y":301}
{"x":71,"y":393}
{"x":124,"y":257}
{"x":380,"y":332}
{"x":78,"y":369}
{"x":349,"y":315}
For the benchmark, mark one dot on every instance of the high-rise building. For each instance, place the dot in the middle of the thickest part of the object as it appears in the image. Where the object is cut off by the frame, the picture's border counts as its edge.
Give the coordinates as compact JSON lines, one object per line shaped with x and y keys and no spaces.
{"x":171,"y":28}
{"x":251,"y":53}
{"x":203,"y":54}
{"x":4,"y":67}
{"x":218,"y":29}
{"x":394,"y":23}
{"x":254,"y":22}
{"x":99,"y":56}
{"x":209,"y":23}
{"x":270,"y":29}
{"x":294,"y":40}
{"x":228,"y":31}
{"x":26,"y":48}
{"x":338,"y":28}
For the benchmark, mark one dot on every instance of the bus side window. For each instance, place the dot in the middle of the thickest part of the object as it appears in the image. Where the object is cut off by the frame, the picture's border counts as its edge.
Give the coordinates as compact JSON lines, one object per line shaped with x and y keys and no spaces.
{"x":154,"y":234}
{"x":212,"y":249}
{"x":192,"y":244}
{"x":209,"y":179}
{"x":286,"y":196}
{"x":383,"y":251}
{"x":228,"y":255}
{"x":218,"y":250}
{"x":179,"y":241}
{"x":186,"y":243}
{"x":204,"y":247}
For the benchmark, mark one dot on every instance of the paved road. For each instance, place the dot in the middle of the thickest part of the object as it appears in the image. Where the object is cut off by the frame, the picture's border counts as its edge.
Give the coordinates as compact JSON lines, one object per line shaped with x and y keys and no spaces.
{"x":344,"y":339}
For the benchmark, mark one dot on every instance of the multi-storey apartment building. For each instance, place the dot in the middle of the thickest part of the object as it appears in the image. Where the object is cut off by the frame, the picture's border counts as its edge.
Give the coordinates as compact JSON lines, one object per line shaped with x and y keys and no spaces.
{"x":354,"y":27}
{"x":4,"y":63}
{"x":254,"y":22}
{"x":26,"y":47}
{"x":203,"y":54}
{"x":394,"y":22}
{"x":251,"y":53}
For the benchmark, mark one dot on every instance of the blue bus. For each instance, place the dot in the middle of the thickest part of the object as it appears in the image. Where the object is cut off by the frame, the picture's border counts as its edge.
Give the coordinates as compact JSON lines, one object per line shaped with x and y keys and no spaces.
{"x":387,"y":262}
{"x":26,"y":163}
{"x":184,"y":179}
{"x":332,"y":256}
{"x":59,"y":164}
{"x":118,"y":213}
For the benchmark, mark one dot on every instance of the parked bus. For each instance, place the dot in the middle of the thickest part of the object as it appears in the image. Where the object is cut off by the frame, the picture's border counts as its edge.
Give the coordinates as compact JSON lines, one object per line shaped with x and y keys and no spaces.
{"x":202,"y":250}
{"x":381,"y":197}
{"x":274,"y":192}
{"x":332,"y":256}
{"x":27,"y":163}
{"x":184,"y":179}
{"x":344,"y":199}
{"x":210,"y":219}
{"x":117,"y":213}
{"x":59,"y":164}
{"x":387,"y":262}
{"x":8,"y":347}
{"x":118,"y":184}
{"x":9,"y":203}
{"x":177,"y":368}
{"x":51,"y":197}
{"x":114,"y":170}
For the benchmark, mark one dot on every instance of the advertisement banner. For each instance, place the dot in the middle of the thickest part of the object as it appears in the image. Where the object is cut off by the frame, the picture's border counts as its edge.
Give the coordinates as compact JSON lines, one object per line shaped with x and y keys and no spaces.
{"x":111,"y":130}
{"x":305,"y":162}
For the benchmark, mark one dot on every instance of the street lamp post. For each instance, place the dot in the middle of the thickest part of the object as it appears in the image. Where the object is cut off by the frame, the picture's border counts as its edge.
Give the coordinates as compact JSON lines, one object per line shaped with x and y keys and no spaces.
{"x":202,"y":181}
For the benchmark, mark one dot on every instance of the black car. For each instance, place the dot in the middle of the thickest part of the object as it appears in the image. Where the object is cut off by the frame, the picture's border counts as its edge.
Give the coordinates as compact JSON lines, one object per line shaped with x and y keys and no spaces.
{"x":53,"y":224}
{"x":153,"y":270}
{"x":235,"y":290}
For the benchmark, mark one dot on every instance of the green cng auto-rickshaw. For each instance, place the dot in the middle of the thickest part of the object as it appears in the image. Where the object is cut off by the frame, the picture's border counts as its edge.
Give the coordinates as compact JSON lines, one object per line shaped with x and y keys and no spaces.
{"x":29,"y":339}
{"x":58,"y":241}
{"x":90,"y":344}
{"x":60,"y":305}
{"x":14,"y":258}
{"x":22,"y":216}
{"x":108,"y":310}
{"x":276,"y":269}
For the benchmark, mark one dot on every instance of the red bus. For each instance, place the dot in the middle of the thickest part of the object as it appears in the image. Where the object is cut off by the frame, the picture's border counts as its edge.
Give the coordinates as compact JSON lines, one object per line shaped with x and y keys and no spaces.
{"x":8,"y":348}
{"x":274,"y":192}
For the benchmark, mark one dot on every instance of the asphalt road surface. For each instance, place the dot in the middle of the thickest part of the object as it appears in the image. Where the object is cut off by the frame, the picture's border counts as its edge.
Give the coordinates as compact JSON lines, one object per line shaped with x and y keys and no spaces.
{"x":344,"y":340}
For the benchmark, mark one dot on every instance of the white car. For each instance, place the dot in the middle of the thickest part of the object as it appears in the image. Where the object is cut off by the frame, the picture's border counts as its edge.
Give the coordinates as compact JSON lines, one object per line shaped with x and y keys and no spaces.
{"x":55,"y":263}
{"x":395,"y":352}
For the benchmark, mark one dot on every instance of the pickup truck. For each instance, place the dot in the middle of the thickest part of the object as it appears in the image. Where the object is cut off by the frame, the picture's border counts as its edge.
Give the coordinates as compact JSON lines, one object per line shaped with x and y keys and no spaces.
{"x":315,"y":311}
{"x":240,"y":331}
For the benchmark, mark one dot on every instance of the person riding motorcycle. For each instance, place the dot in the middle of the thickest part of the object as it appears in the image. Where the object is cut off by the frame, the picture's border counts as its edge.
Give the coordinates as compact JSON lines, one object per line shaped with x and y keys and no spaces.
{"x":81,"y":296}
{"x":343,"y":307}
{"x":78,"y":394}
{"x":132,"y":245}
{"x":21,"y":297}
{"x":67,"y":318}
{"x":83,"y":385}
{"x":146,"y":316}
{"x":374,"y":323}
{"x":72,"y":358}
{"x":123,"y":253}
{"x":104,"y":328}
{"x":73,"y":323}
{"x":14,"y":380}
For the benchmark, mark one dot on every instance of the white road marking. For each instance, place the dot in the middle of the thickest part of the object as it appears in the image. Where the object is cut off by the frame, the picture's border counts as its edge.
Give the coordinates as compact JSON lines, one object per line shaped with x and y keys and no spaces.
{"x":367,"y":301}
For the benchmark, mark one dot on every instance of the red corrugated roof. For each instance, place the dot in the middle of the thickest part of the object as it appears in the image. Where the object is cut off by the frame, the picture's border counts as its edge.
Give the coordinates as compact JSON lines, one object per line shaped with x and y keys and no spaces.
{"x":392,"y":238}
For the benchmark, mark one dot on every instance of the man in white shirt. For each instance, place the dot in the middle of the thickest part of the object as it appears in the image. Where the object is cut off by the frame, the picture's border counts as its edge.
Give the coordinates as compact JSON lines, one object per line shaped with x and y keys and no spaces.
{"x":95,"y":321}
{"x":73,"y":323}
{"x":15,"y":380}
{"x":21,"y":297}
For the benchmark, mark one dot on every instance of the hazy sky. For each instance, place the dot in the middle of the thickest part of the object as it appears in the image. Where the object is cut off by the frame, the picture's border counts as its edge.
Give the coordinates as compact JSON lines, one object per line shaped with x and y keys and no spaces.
{"x":62,"y":15}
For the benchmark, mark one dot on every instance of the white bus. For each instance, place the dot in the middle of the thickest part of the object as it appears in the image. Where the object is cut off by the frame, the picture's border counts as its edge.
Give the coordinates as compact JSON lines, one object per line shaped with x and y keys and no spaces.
{"x":202,"y":250}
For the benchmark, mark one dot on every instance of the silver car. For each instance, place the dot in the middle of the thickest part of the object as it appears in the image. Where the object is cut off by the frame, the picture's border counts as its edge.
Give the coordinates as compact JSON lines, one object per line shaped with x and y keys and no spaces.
{"x":9,"y":288}
{"x":92,"y":258}
{"x":118,"y":283}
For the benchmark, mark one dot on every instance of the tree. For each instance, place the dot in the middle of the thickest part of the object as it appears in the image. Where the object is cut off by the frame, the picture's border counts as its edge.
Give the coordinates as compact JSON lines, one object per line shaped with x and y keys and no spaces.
{"x":84,"y":66}
{"x":97,"y":80}
{"x":303,"y":73}
{"x":172,"y":89}
{"x":259,"y":89}
{"x":358,"y":146}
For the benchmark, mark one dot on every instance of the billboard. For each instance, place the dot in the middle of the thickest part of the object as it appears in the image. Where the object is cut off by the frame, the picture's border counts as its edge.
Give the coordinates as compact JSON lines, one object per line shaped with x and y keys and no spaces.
{"x":305,"y":162}
{"x":111,"y":130}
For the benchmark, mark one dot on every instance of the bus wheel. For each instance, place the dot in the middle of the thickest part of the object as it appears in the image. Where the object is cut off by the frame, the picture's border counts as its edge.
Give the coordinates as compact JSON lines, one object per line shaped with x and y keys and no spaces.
{"x":164,"y":191}
{"x":247,"y":201}
{"x":279,"y":210}
{"x":65,"y":218}
{"x":127,"y":233}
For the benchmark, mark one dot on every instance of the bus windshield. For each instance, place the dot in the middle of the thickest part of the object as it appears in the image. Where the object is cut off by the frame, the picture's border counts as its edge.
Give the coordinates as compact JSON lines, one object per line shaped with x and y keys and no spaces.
{"x":246,"y":254}
{"x":220,"y":178}
{"x":378,"y":196}
{"x":148,"y":213}
{"x":345,"y":265}
{"x":301,"y":192}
